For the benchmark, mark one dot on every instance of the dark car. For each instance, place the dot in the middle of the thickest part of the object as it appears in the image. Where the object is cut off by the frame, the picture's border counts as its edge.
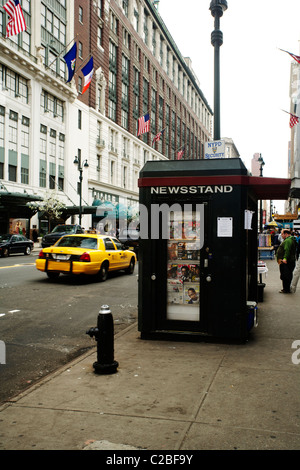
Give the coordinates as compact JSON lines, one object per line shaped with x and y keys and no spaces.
{"x":12,"y":243}
{"x":130,"y":239}
{"x":58,"y":232}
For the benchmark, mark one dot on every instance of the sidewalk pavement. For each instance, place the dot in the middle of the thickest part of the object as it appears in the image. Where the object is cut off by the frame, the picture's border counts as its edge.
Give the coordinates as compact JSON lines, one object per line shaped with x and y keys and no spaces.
{"x":175,"y":396}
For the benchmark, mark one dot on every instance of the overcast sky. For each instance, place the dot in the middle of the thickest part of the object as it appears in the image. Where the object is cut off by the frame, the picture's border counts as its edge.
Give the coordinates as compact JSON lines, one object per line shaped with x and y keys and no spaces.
{"x":255,"y":74}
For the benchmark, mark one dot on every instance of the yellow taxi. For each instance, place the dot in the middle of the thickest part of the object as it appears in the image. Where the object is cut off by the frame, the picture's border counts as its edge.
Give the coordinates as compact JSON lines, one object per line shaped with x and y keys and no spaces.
{"x":86,"y":253}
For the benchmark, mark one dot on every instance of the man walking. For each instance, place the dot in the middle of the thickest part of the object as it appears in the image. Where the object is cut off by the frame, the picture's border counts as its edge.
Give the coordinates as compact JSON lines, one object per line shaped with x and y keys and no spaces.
{"x":286,"y":258}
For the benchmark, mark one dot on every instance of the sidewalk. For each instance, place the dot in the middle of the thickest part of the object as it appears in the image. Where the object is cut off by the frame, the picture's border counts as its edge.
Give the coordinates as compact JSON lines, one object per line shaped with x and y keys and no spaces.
{"x":173,"y":396}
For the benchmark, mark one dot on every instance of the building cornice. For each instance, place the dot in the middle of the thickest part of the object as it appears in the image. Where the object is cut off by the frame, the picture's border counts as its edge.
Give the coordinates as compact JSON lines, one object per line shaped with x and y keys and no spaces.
{"x":34,"y":66}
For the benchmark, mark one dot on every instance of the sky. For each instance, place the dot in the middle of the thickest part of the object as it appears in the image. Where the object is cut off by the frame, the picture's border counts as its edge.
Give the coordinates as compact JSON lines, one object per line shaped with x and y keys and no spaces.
{"x":255,"y":74}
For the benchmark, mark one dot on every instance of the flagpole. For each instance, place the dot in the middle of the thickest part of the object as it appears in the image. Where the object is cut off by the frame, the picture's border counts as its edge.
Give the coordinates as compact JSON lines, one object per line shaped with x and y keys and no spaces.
{"x":90,"y":55}
{"x":48,"y":66}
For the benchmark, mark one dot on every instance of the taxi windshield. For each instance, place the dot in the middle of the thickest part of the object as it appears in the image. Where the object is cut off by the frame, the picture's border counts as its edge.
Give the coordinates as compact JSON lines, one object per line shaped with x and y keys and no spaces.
{"x":78,"y":242}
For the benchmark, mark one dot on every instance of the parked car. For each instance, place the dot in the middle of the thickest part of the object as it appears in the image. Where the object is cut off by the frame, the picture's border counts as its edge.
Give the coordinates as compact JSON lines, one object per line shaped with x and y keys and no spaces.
{"x":12,"y":243}
{"x":90,"y":254}
{"x":130,"y":239}
{"x":58,"y":232}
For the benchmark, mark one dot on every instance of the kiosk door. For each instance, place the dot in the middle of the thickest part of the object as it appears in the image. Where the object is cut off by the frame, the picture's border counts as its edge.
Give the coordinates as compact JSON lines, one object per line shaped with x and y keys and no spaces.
{"x":183,"y":270}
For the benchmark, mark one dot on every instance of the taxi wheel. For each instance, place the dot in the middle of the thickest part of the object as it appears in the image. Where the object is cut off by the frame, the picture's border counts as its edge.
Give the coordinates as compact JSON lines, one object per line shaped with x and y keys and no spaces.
{"x":103,"y":272}
{"x":130,"y":268}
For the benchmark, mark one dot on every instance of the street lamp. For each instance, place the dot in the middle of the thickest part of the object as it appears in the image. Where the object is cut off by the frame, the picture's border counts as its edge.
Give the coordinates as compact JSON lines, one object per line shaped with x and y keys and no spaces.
{"x":217,"y":8}
{"x":77,"y":162}
{"x":261,"y":165}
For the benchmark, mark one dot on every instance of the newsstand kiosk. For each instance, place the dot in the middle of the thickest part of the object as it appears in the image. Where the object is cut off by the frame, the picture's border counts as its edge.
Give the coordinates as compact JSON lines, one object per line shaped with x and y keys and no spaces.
{"x":198,"y":249}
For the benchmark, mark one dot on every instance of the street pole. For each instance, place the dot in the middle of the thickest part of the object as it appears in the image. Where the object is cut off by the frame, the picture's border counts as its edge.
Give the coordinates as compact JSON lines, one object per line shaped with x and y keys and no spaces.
{"x":77,"y":162}
{"x":80,"y":194}
{"x":261,"y":164}
{"x":217,"y":8}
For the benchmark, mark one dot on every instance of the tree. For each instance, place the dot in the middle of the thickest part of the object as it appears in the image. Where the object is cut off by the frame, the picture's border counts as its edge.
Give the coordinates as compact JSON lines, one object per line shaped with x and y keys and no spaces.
{"x":50,"y":207}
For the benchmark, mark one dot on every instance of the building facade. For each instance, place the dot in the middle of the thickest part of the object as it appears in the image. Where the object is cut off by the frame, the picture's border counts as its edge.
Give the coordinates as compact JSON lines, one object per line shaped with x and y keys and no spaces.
{"x":294,"y":147}
{"x":46,"y":122}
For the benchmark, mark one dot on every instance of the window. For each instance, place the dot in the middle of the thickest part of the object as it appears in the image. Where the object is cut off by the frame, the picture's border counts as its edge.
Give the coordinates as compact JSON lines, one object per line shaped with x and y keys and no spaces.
{"x":12,"y":173}
{"x":109,"y":244}
{"x":79,"y":118}
{"x":43,"y":174}
{"x":99,"y":166}
{"x":124,"y":177}
{"x":24,"y":175}
{"x":51,"y":104}
{"x":80,"y":49}
{"x":80,"y":85}
{"x":125,"y":7}
{"x":21,"y":40}
{"x":136,"y":20}
{"x":2,"y":126}
{"x":112,"y":172}
{"x":80,"y":14}
{"x":52,"y":175}
{"x":53,"y":33}
{"x":14,"y":84}
{"x":99,"y":37}
{"x":13,"y":130}
{"x":113,"y":23}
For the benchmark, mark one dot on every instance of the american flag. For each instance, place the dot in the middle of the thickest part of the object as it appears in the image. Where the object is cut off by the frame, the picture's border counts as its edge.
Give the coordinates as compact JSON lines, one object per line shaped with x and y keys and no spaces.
{"x":144,"y":124}
{"x":296,"y":57}
{"x":293,"y":120}
{"x":180,"y":154}
{"x":158,"y":136}
{"x":16,"y":22}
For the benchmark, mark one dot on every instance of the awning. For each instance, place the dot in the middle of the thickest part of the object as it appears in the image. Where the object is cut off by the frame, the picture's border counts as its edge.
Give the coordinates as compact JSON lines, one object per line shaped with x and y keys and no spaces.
{"x":74,"y":210}
{"x":270,"y":188}
{"x":262,"y":188}
{"x":15,"y":204}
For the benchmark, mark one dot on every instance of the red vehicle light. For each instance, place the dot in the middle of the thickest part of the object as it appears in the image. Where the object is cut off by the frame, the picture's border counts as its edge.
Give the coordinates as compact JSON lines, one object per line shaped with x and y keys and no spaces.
{"x":41,"y":255}
{"x":85,"y":257}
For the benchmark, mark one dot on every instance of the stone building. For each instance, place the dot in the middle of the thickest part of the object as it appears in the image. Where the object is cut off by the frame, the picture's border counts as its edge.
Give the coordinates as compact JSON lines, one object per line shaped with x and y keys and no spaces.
{"x":45,"y":122}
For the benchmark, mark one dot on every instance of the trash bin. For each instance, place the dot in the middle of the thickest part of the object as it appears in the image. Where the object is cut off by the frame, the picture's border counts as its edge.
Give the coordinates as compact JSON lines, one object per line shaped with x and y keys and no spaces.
{"x":252,"y":315}
{"x":260,"y":291}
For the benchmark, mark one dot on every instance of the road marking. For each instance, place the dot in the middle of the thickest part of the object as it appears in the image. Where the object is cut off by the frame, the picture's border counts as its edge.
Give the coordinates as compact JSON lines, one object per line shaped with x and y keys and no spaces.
{"x":17,"y":265}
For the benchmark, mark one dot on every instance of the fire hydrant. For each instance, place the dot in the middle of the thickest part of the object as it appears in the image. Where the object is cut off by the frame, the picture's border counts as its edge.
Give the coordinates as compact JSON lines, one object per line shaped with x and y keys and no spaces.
{"x":104,"y":335}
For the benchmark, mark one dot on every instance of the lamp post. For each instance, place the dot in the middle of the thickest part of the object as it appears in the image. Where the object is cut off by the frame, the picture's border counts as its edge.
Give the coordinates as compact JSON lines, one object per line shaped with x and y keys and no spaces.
{"x":77,"y":162}
{"x":217,"y":8}
{"x":261,"y":165}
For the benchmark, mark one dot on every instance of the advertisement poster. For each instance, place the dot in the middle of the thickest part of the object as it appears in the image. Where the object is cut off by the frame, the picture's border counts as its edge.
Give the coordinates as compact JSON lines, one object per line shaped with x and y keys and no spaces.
{"x":18,"y":226}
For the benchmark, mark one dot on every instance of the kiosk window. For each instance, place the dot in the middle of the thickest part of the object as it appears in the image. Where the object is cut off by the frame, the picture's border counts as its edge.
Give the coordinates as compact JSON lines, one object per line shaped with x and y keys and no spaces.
{"x":183,"y":267}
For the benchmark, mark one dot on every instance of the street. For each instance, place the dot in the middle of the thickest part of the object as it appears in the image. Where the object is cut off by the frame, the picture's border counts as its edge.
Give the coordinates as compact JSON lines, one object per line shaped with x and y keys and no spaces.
{"x":43,"y":323}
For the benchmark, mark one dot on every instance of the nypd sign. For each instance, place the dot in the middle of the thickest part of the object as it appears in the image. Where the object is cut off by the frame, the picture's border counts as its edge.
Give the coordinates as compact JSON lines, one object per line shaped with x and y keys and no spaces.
{"x":215,"y":149}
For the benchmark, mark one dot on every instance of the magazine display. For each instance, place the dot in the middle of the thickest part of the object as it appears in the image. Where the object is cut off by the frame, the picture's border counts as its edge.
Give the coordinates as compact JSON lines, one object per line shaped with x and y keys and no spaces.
{"x":183,"y":275}
{"x":183,"y":269}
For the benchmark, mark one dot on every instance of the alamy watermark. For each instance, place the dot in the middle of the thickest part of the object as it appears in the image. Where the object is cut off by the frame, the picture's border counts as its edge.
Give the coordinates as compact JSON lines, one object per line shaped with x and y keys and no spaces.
{"x":158,"y":222}
{"x":296,"y":354}
{"x":2,"y":353}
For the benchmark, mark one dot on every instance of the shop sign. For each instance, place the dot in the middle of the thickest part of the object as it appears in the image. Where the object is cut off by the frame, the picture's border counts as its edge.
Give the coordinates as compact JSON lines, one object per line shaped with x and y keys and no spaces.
{"x":197,"y":189}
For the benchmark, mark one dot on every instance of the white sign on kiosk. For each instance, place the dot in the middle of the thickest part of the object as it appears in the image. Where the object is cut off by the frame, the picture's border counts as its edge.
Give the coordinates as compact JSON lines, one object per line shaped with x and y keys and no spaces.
{"x":215,"y":149}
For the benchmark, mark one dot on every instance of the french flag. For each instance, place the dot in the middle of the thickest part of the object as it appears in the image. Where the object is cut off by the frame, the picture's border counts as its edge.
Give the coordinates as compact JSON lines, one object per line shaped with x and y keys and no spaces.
{"x":88,"y":72}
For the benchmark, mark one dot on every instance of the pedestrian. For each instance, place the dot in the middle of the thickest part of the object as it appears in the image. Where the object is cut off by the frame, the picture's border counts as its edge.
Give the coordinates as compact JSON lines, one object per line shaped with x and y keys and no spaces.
{"x":286,"y":258}
{"x":296,"y":275}
{"x":297,"y":237}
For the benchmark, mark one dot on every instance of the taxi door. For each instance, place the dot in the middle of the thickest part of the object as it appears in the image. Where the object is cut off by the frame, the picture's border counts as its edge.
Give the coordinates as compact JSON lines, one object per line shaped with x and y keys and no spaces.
{"x":112,"y":253}
{"x":121,"y":254}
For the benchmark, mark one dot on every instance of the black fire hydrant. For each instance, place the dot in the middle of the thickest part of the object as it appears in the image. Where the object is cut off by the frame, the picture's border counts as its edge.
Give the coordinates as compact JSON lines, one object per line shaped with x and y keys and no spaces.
{"x":104,"y":335}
